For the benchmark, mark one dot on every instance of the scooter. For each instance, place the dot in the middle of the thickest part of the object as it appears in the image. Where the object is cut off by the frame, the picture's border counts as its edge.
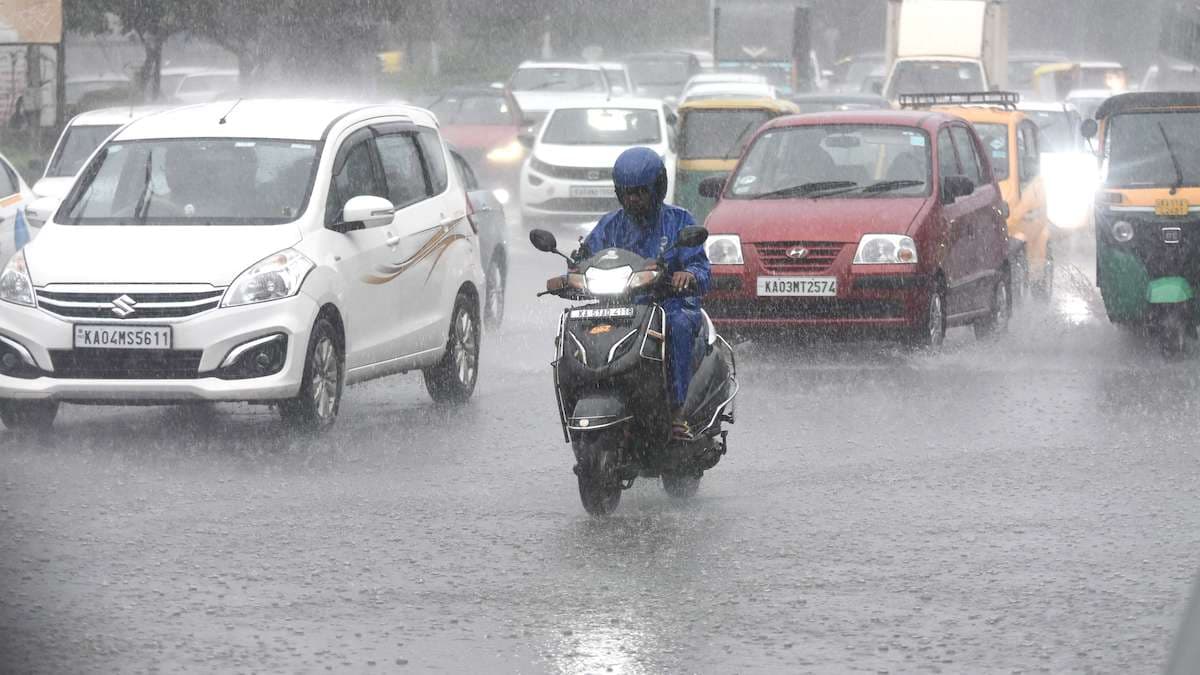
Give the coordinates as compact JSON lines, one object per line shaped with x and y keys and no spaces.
{"x":611,"y":380}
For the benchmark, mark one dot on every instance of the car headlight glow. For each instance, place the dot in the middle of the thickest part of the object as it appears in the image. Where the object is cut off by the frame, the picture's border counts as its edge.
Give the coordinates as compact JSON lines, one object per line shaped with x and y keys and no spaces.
{"x":885,"y":249}
{"x":724,"y":249}
{"x":1122,"y":231}
{"x":608,"y":282}
{"x":272,"y":278}
{"x":15,"y":285}
{"x":508,"y":153}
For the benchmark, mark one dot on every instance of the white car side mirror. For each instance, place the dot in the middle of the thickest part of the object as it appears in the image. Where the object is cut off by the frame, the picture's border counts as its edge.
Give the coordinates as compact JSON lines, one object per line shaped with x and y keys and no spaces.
{"x":41,"y":210}
{"x":369,"y":210}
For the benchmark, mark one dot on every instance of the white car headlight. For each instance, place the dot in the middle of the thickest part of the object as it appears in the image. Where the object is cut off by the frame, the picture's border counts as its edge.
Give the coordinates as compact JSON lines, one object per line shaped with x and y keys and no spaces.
{"x":724,"y":249}
{"x":608,"y":282}
{"x":272,"y":278}
{"x":885,"y":249}
{"x":15,"y":285}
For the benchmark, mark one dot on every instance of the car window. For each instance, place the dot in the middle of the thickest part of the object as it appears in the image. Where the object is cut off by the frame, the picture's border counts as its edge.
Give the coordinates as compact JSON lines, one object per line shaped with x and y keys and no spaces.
{"x":967,"y":155}
{"x":995,"y":144}
{"x":8,"y":182}
{"x":474,"y":110}
{"x":401,"y":161}
{"x":1028,"y":164}
{"x":470,"y":182}
{"x":354,"y":176}
{"x":559,"y":80}
{"x":435,"y":160}
{"x":78,"y":143}
{"x":947,"y":160}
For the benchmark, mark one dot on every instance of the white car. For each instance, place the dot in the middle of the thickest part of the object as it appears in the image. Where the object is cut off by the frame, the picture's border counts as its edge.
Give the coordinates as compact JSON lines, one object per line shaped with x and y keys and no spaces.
{"x":541,"y":87}
{"x":270,"y":253}
{"x":197,"y":85}
{"x":15,"y":195}
{"x":619,"y":80}
{"x":713,"y":90}
{"x":78,"y":140}
{"x":569,"y":172}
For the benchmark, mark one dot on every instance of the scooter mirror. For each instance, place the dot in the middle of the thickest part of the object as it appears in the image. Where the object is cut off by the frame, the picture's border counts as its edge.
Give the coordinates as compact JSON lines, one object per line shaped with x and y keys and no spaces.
{"x":543,"y":241}
{"x":692,"y":236}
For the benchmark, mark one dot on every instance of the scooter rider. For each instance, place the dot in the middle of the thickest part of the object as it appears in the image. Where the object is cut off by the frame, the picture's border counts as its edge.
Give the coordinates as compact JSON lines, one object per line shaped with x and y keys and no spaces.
{"x":647,"y":226}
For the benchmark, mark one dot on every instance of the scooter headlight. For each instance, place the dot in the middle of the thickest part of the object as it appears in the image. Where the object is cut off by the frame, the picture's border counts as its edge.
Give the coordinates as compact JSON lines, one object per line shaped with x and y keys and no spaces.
{"x":1122,"y":231}
{"x":608,"y":282}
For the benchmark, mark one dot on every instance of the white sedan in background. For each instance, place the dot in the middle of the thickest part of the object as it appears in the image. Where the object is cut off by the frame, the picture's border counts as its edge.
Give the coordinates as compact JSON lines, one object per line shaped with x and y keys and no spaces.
{"x":569,"y":172}
{"x":78,"y":140}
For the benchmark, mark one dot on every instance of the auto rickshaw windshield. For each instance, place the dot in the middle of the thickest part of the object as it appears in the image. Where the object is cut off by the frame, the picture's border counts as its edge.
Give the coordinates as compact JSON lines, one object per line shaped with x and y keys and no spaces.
{"x":1143,"y":149}
{"x":719,"y":134}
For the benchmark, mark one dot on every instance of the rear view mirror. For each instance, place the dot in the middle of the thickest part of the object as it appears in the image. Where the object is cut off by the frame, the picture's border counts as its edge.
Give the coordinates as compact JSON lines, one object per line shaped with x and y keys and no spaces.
{"x":712,"y":186}
{"x":1089,"y":128}
{"x":954,"y":187}
{"x":543,"y":241}
{"x":691,"y":237}
{"x":366,"y":211}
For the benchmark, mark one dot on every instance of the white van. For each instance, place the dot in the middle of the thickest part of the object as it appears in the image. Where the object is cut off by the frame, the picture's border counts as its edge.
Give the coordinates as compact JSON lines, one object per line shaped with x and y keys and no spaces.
{"x":269,"y":251}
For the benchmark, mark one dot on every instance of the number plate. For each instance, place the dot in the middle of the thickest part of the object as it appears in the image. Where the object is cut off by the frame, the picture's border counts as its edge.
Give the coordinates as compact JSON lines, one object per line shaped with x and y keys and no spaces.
{"x":584,"y":192}
{"x":606,"y":313}
{"x":822,"y":287}
{"x":122,"y":337}
{"x":1171,"y":207}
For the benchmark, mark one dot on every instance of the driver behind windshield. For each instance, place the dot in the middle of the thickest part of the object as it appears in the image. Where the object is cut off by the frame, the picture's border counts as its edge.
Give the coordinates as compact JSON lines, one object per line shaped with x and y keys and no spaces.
{"x":649,"y":227}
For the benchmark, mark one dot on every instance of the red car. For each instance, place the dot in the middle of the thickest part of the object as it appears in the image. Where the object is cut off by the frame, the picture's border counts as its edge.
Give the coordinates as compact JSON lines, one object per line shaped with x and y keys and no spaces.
{"x":484,"y":124}
{"x":862,"y":220}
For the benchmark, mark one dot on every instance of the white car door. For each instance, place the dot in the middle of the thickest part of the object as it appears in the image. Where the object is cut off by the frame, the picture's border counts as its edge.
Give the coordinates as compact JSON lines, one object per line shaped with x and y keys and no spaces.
{"x":362,"y":263}
{"x":14,"y":231}
{"x":420,"y":232}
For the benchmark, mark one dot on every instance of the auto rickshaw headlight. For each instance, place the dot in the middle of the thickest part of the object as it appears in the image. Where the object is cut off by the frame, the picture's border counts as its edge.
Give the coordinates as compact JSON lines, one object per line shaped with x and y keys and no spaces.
{"x":1122,"y":231}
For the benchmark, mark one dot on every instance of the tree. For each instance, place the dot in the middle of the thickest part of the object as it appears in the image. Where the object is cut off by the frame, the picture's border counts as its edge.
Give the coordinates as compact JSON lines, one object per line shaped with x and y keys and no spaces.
{"x":152,"y":21}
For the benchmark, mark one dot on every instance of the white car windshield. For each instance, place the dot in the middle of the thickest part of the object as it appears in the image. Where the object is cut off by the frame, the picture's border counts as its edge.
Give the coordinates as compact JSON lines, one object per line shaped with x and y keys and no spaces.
{"x":559,"y":79}
{"x":603,"y":126}
{"x":78,"y":143}
{"x":222,"y":181}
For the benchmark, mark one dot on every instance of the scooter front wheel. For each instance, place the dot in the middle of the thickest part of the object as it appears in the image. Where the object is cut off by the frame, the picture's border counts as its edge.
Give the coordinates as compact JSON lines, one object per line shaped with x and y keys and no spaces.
{"x":596,"y":470}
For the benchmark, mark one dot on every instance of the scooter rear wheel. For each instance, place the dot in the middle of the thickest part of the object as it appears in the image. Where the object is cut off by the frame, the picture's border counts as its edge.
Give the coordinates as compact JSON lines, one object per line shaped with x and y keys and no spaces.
{"x":595,"y":468}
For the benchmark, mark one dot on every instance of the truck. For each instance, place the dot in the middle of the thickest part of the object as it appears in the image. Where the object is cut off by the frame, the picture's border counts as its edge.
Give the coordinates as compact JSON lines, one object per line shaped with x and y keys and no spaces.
{"x":771,"y":37}
{"x":946,"y":46}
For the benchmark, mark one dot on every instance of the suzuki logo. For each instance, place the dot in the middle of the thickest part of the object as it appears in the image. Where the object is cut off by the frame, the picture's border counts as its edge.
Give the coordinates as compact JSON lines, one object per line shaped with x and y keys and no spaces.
{"x":797,"y":253}
{"x":123,"y":306}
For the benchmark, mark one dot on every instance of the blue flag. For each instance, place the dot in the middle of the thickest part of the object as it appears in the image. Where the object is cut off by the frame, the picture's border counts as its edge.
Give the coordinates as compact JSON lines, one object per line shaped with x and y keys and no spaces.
{"x":20,"y":230}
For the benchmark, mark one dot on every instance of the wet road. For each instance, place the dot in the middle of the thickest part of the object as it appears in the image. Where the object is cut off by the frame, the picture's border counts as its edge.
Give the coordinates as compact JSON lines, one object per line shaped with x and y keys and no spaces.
{"x":1026,"y":506}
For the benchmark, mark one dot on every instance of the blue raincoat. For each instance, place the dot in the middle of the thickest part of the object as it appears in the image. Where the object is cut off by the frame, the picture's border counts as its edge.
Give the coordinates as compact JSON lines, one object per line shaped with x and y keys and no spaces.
{"x":642,"y":167}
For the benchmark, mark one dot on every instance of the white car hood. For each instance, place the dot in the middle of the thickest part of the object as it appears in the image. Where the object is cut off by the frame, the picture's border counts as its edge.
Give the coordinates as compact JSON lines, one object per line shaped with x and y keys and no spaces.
{"x":545,"y":101}
{"x":55,"y":186}
{"x":584,"y":156}
{"x":149,"y":254}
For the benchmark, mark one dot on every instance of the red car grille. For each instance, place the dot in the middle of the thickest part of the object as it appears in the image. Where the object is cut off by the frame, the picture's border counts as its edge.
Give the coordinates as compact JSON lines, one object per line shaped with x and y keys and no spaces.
{"x":818,"y":256}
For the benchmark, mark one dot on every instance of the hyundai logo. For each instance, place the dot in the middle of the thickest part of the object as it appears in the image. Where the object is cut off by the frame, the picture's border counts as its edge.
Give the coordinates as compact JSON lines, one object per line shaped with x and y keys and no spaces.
{"x":797,"y":253}
{"x":123,"y":306}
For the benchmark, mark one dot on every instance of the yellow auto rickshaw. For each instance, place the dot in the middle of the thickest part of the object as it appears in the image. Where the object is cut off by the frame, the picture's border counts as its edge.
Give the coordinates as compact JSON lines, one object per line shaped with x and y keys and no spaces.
{"x":712,"y":134}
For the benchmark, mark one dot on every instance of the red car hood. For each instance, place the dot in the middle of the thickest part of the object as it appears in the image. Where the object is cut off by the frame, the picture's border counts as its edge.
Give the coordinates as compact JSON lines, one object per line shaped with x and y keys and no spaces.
{"x":840,"y":220}
{"x":478,"y":136}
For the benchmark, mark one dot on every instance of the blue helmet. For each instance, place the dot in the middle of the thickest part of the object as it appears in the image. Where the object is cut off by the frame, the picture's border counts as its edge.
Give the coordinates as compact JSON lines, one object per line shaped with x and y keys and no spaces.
{"x":641,"y":167}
